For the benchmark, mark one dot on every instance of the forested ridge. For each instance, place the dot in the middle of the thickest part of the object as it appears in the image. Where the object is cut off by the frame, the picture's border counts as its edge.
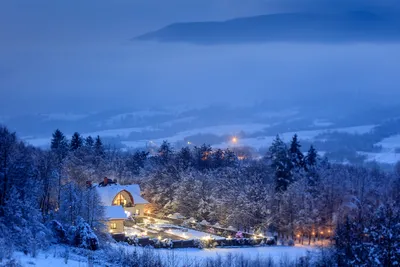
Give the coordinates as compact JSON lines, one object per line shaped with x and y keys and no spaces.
{"x":298,"y":195}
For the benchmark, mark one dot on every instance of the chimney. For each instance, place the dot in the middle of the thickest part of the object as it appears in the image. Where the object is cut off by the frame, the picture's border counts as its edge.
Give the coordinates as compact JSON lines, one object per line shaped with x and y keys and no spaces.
{"x":89,"y":184}
{"x":105,"y":181}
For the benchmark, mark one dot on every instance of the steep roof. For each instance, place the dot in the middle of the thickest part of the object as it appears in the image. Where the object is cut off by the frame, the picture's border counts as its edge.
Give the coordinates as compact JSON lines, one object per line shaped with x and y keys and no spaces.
{"x":109,"y":192}
{"x":114,"y":212}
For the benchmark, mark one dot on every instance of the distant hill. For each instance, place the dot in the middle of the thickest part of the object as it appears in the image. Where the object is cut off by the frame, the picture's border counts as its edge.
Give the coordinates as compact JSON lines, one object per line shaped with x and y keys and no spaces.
{"x":301,"y":27}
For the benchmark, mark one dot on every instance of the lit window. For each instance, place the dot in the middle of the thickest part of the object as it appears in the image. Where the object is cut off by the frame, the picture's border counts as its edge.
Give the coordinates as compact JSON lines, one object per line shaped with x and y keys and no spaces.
{"x":137,"y":212}
{"x":120,"y":200}
{"x":113,"y":226}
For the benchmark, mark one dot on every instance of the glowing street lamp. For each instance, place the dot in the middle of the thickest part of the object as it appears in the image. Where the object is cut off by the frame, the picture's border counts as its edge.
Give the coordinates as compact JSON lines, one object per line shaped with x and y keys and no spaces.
{"x":234,"y":139}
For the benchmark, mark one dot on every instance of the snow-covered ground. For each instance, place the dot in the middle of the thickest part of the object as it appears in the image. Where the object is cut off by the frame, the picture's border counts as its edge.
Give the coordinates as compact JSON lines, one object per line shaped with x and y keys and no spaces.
{"x":47,"y":259}
{"x":274,"y":252}
{"x":389,"y":157}
{"x":187,"y":233}
{"x":180,"y":256}
{"x":390,"y":143}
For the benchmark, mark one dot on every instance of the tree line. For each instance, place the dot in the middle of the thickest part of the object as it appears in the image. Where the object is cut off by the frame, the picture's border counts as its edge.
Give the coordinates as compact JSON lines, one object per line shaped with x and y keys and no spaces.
{"x":299,"y":195}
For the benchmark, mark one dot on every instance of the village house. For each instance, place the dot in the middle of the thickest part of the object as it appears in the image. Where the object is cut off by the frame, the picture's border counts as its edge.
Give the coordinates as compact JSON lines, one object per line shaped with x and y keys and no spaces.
{"x":120,"y":202}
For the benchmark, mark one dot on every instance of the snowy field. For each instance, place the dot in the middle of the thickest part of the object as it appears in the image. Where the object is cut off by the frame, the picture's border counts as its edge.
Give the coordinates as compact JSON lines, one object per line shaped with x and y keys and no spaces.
{"x":274,"y":252}
{"x":389,"y":157}
{"x":187,"y":233}
{"x":180,"y":256}
{"x":47,"y":259}
{"x":390,"y":143}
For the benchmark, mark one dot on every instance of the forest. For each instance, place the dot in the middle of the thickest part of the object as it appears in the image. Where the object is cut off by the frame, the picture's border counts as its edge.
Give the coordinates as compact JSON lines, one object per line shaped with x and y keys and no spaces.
{"x":294,"y":194}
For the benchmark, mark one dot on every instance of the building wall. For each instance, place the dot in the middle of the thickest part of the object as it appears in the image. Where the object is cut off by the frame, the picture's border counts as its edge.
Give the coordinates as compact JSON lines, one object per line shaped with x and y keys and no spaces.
{"x":119,"y":226}
{"x":135,"y":208}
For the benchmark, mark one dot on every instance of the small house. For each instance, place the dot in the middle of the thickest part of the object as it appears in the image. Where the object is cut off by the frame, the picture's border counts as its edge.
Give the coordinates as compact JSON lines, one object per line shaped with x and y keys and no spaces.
{"x":120,"y":202}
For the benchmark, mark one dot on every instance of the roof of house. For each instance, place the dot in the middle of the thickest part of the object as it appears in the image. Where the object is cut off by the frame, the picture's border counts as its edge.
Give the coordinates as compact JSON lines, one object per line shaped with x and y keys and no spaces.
{"x":109,"y":192}
{"x":114,"y":212}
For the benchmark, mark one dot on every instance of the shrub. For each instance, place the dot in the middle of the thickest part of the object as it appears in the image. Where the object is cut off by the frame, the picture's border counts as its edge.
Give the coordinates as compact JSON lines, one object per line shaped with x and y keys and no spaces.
{"x":59,"y":233}
{"x":84,"y":236}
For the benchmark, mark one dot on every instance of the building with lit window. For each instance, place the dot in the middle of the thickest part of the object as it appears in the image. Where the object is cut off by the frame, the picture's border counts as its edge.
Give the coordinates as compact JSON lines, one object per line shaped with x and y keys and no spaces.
{"x":120,"y":202}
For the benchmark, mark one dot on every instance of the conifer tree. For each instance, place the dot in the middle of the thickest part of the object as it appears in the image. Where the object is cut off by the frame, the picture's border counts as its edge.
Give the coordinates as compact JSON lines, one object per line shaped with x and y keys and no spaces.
{"x":89,"y":142}
{"x":184,"y":158}
{"x":165,"y":153}
{"x":218,"y":158}
{"x":76,"y":141}
{"x":281,"y":164}
{"x":296,"y":156}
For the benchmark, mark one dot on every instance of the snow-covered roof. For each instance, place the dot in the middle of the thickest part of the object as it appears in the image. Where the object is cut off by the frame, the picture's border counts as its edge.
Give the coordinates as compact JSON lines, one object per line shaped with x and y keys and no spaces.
{"x":115,"y":212}
{"x":109,"y":192}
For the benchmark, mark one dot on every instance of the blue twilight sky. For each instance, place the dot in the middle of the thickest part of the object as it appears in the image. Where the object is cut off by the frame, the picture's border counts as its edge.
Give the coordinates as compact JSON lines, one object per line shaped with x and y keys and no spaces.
{"x":75,"y":56}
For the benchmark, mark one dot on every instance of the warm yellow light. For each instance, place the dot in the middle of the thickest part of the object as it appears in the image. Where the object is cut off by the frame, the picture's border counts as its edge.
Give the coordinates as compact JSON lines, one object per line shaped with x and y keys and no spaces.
{"x":260,"y":235}
{"x":159,"y":237}
{"x":189,"y":142}
{"x":329,"y":231}
{"x":322,"y":233}
{"x":111,"y":231}
{"x":313,"y":233}
{"x":229,"y":237}
{"x":234,"y":139}
{"x":298,"y":235}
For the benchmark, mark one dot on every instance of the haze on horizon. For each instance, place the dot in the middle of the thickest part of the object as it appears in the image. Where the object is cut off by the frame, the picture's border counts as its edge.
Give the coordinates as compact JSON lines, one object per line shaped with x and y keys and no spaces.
{"x":76,"y":56}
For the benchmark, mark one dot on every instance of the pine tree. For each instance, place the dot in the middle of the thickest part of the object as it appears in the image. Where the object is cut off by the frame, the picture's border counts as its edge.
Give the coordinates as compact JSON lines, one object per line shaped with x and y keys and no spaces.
{"x":281,"y":163}
{"x":59,"y":149}
{"x":184,"y":158}
{"x":202,"y":157}
{"x":76,"y":141}
{"x":98,"y":147}
{"x":296,"y":156}
{"x":230,"y":158}
{"x":137,"y":161}
{"x":311,"y":158}
{"x":89,"y":142}
{"x":218,"y":158}
{"x":165,"y":153}
{"x":59,"y":143}
{"x":310,"y":165}
{"x":8,"y":145}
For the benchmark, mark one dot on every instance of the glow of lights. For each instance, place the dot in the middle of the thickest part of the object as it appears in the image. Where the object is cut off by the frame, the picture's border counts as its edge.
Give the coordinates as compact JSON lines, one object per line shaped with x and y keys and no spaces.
{"x":234,"y":139}
{"x":111,"y":231}
{"x":159,"y":237}
{"x":229,"y":237}
{"x":298,"y":235}
{"x":313,"y":233}
{"x":322,"y":233}
{"x":189,"y":143}
{"x":329,"y":231}
{"x":260,"y":235}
